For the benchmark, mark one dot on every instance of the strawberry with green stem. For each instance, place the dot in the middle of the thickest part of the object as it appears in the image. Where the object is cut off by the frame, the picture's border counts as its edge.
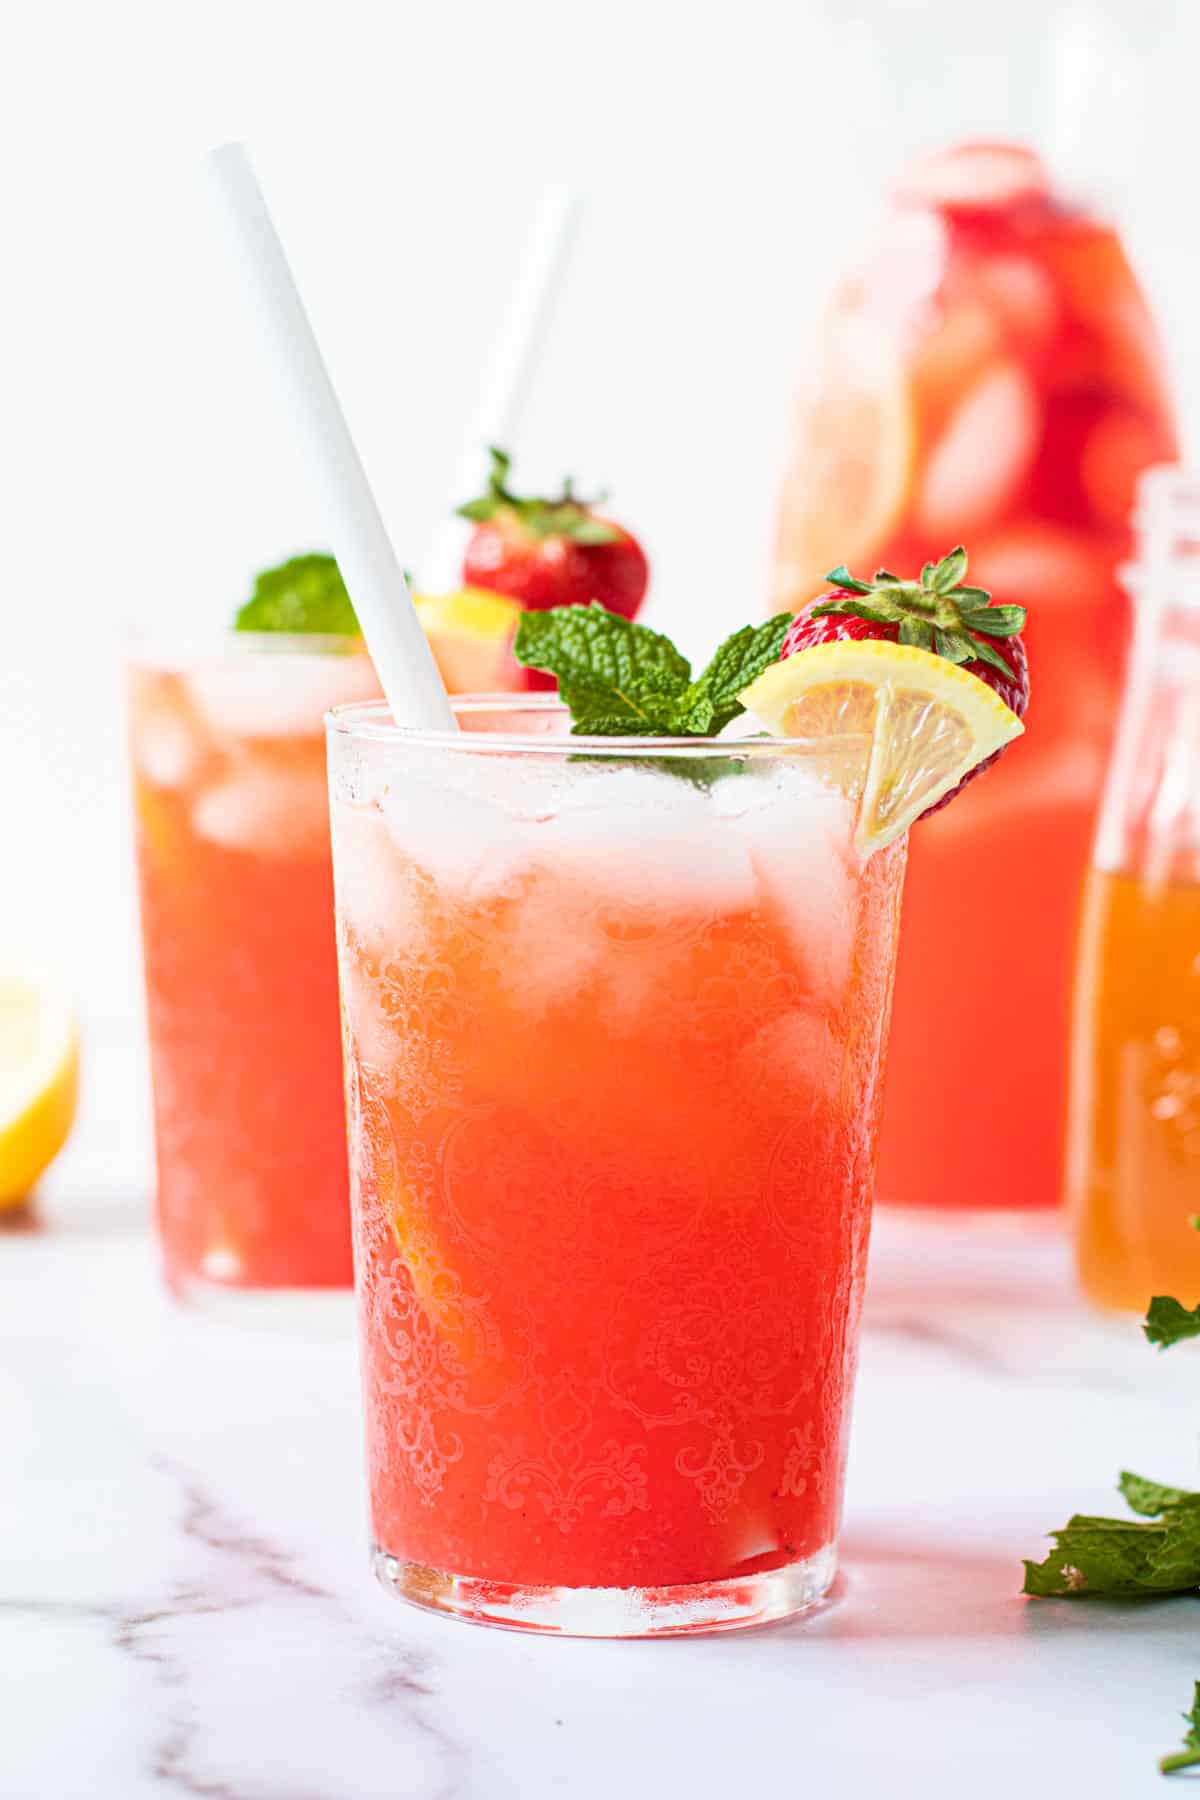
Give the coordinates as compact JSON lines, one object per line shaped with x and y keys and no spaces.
{"x":936,"y":613}
{"x":548,"y":552}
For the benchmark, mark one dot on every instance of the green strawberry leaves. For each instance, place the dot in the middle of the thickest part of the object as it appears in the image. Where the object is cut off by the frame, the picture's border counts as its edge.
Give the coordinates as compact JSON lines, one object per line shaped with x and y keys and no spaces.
{"x":565,"y":515}
{"x":935,"y":613}
{"x":621,"y":679}
{"x":306,"y":595}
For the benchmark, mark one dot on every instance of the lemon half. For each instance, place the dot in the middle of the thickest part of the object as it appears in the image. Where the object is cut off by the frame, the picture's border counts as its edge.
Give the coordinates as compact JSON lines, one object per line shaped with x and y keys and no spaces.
{"x":927,"y":721}
{"x":39,"y":1081}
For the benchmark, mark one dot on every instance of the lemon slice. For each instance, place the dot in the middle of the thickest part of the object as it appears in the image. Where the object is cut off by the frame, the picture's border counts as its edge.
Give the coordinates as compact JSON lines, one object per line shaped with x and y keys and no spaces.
{"x":469,"y":632}
{"x":927,"y":723}
{"x":851,"y":462}
{"x":39,"y":1077}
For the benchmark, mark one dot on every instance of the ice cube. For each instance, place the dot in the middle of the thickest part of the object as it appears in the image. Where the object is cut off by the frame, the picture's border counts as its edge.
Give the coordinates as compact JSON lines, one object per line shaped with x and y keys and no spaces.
{"x":168,"y":741}
{"x":799,"y":844}
{"x":448,"y":832}
{"x":798,"y":1055}
{"x":167,"y":748}
{"x":552,"y":946}
{"x":277,"y":694}
{"x":377,"y":889}
{"x":649,"y":791}
{"x":645,"y":843}
{"x":271,"y":811}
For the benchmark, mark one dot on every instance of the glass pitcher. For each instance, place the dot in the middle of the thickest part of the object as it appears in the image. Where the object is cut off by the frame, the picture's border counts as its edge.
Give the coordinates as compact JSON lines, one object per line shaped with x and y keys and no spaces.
{"x":1133,"y":1163}
{"x":990,"y":374}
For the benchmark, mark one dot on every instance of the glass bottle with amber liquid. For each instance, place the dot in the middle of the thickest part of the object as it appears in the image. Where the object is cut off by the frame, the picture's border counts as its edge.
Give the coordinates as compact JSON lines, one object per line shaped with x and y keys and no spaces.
{"x":1133,"y":1156}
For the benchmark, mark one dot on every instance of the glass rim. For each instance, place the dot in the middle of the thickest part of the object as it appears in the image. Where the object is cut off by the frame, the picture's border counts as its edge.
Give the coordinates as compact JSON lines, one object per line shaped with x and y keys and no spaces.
{"x":159,"y":647}
{"x":370,"y":721}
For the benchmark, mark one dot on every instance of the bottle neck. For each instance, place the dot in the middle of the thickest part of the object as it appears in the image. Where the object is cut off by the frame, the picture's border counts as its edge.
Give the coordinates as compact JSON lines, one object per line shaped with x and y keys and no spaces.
{"x":1150,"y":817}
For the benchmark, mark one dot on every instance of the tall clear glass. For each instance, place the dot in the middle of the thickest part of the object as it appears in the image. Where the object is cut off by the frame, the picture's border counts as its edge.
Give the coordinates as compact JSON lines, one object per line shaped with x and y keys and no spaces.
{"x":1133,"y":1163}
{"x":989,"y":373}
{"x":615,"y":1015}
{"x":232,"y":834}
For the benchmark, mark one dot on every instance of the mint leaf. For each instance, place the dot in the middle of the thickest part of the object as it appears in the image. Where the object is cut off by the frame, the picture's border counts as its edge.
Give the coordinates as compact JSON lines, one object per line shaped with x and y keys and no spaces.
{"x":1176,"y":1564}
{"x":306,"y":594}
{"x":1126,"y":1556}
{"x":1189,"y":1756}
{"x":608,"y":669}
{"x":1167,"y":1322}
{"x":712,"y":701}
{"x":622,"y":680}
{"x":1150,"y":1498}
{"x":1096,"y":1556}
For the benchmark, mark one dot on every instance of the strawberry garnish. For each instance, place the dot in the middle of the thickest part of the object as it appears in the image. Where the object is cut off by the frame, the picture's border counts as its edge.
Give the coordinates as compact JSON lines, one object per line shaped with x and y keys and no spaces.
{"x":936,"y":613}
{"x":551,"y":552}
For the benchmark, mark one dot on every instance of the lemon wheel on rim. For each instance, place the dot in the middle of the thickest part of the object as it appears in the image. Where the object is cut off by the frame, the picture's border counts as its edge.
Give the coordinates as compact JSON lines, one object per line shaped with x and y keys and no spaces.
{"x":923,"y":722}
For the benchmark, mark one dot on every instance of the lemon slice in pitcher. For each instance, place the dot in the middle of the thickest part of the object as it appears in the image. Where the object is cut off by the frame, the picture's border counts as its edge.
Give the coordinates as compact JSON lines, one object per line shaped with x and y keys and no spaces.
{"x":927,"y":722}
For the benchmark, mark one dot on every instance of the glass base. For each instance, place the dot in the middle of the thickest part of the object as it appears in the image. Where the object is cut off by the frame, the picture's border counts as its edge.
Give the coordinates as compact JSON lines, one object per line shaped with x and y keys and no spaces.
{"x":706,"y":1606}
{"x":311,"y":1312}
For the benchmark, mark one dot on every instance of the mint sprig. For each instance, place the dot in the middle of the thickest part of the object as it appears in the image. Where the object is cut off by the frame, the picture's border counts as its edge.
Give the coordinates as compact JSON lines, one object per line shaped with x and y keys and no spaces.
{"x":1157,"y":1553}
{"x":621,"y":679}
{"x":1189,"y":1756}
{"x":305,"y":595}
{"x":1148,"y":1557}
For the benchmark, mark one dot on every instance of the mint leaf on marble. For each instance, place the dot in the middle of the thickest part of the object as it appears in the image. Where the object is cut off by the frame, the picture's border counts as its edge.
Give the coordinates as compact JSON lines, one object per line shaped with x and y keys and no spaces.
{"x":1157,"y":1553}
{"x":1150,"y":1498}
{"x":306,"y":594}
{"x":1189,"y":1756}
{"x":1167,"y":1322}
{"x":620,"y":679}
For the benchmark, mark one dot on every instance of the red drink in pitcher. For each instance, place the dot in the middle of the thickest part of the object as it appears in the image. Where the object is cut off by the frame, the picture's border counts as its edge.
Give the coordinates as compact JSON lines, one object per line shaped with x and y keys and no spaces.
{"x":992,"y":374}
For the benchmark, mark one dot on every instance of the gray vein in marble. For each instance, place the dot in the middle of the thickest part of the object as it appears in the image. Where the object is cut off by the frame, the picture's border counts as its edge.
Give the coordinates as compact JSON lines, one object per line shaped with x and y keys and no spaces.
{"x":265,"y":1566}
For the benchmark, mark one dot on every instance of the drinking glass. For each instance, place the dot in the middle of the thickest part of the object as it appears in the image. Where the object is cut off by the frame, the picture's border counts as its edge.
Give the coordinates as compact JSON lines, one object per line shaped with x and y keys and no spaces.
{"x":232,"y":835}
{"x":615,"y":1015}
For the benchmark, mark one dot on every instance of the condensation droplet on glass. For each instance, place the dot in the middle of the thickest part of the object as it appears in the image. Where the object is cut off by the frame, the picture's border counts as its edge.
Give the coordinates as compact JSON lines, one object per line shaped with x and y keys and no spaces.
{"x":1167,"y":1106}
{"x":1167,"y":1039}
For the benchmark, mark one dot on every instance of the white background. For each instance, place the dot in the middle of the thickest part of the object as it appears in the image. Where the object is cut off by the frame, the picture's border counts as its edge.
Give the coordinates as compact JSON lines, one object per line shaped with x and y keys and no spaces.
{"x":729,"y":154}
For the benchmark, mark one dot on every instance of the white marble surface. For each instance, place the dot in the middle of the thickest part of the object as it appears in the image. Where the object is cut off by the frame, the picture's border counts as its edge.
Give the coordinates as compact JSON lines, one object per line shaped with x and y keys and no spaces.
{"x":185,"y":1607}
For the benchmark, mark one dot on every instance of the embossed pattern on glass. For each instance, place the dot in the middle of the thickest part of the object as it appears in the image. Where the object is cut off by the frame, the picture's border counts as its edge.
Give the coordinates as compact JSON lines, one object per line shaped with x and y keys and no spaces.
{"x":232,"y":833}
{"x":614,"y":1048}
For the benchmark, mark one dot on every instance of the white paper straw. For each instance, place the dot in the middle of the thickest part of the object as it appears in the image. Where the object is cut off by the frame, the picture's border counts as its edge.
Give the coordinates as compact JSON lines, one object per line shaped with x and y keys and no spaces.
{"x":505,"y":388}
{"x":369,"y":565}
